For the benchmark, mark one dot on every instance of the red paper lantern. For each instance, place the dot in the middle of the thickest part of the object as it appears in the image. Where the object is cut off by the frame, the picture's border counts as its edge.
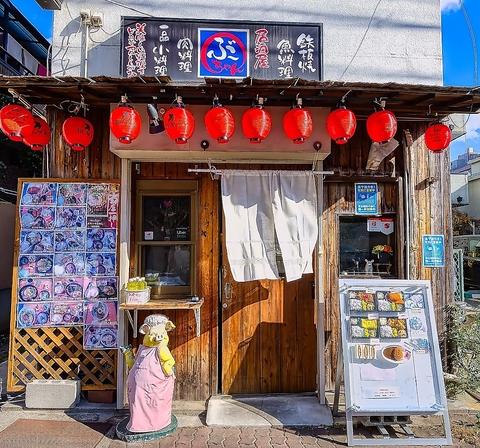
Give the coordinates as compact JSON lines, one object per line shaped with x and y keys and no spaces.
{"x":220,"y":123}
{"x":382,"y":126}
{"x":256,"y":124}
{"x":125,"y":123}
{"x":39,"y":137}
{"x":437,"y":137}
{"x":16,"y":121}
{"x":179,"y":124}
{"x":78,"y":133}
{"x":298,"y":124}
{"x":341,"y":125}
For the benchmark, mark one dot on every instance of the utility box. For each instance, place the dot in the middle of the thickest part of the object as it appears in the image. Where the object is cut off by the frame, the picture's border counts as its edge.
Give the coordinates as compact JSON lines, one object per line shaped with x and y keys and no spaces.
{"x":52,"y":394}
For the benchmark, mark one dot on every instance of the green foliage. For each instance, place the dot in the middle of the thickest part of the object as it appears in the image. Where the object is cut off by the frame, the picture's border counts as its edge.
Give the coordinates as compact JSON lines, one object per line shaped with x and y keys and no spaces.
{"x":463,"y":339}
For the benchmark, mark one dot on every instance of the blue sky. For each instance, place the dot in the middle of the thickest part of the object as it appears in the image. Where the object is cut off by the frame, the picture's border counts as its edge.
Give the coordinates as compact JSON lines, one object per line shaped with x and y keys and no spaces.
{"x":458,"y":51}
{"x":460,"y":43}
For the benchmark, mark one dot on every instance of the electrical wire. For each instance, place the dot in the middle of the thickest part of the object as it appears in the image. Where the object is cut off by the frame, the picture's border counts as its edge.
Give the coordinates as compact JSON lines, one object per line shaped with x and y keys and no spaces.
{"x":122,"y":5}
{"x":361,"y":40}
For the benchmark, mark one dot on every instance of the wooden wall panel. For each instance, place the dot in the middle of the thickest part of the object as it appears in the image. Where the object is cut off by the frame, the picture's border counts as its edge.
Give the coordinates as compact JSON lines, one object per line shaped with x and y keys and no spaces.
{"x":95,"y":163}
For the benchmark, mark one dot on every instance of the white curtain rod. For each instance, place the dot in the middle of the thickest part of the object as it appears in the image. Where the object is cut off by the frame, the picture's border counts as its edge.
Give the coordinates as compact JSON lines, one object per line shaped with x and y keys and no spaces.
{"x":220,"y":172}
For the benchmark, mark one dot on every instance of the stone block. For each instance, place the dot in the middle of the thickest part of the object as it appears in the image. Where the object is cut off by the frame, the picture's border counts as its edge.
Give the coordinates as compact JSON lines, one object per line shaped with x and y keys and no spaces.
{"x":52,"y":394}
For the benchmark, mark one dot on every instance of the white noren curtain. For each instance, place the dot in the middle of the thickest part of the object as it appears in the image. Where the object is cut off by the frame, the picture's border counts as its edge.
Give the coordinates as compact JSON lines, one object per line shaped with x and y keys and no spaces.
{"x":259,"y":204}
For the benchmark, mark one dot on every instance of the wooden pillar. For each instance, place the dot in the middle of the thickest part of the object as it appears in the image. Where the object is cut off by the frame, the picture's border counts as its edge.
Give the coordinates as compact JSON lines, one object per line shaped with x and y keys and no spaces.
{"x":430,"y":212}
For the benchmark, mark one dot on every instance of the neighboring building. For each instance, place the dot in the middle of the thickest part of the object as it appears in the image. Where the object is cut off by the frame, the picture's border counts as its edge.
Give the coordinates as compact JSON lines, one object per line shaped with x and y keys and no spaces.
{"x":24,"y":52}
{"x":403,"y":43}
{"x":459,"y":190}
{"x":463,"y":162}
{"x":23,"y":49}
{"x":471,"y":191}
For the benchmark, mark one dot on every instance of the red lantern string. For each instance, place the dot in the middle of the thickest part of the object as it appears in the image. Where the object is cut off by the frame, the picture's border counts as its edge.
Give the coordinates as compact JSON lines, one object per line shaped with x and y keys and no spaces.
{"x":39,"y":137}
{"x":382,"y":126}
{"x":16,"y":121}
{"x":298,"y":123}
{"x":437,"y":137}
{"x":78,"y":133}
{"x":256,"y":123}
{"x":341,"y":125}
{"x":125,"y":122}
{"x":179,"y":123}
{"x":220,"y":123}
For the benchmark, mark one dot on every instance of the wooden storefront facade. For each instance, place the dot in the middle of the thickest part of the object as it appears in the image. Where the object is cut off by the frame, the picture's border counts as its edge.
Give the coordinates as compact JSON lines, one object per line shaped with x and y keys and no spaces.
{"x":269,"y":337}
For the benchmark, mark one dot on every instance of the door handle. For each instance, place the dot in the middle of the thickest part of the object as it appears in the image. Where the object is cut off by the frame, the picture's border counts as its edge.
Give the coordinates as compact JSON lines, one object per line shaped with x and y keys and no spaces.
{"x":227,"y":291}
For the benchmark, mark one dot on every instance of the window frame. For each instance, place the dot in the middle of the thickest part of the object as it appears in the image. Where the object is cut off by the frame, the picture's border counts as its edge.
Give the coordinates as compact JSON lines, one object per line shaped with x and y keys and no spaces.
{"x":153,"y":188}
{"x":395,"y":245}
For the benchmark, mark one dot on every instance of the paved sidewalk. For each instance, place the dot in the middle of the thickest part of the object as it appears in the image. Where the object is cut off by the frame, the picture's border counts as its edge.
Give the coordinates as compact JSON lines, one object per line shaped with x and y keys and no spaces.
{"x":53,"y":429}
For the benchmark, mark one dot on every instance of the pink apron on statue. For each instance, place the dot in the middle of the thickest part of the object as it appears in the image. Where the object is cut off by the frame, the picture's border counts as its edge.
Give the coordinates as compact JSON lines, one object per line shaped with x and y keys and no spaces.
{"x":150,"y":393}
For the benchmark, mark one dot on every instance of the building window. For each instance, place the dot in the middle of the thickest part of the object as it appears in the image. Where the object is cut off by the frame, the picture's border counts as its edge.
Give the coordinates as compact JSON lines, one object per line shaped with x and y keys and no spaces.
{"x":367,"y":246}
{"x":166,"y":236}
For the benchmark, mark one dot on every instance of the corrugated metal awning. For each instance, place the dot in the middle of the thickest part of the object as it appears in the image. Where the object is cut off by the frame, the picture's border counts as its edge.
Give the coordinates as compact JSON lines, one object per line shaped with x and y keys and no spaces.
{"x":410,"y":100}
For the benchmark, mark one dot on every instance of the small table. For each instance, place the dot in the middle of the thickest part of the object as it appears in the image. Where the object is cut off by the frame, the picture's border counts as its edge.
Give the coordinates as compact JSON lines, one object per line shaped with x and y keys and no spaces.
{"x":165,"y":304}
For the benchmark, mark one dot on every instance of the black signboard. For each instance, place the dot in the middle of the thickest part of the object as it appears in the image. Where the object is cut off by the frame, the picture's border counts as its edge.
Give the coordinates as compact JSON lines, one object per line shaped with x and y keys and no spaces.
{"x":188,"y":50}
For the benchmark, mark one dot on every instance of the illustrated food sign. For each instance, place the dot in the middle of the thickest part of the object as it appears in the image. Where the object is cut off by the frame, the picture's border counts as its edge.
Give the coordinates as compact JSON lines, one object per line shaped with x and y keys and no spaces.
{"x":67,"y":259}
{"x":390,"y":347}
{"x":191,"y":50}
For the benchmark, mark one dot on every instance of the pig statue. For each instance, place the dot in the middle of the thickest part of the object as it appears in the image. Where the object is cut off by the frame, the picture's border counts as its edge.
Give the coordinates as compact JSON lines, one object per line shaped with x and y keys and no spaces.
{"x":151,"y":378}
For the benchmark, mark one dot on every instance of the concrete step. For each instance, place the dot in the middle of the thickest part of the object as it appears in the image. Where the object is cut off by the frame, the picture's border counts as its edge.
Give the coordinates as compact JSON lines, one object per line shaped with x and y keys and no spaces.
{"x":279,"y":410}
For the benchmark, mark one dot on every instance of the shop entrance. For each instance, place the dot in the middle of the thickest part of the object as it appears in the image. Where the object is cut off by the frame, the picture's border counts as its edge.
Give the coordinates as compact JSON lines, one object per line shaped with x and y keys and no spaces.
{"x":268,"y":334}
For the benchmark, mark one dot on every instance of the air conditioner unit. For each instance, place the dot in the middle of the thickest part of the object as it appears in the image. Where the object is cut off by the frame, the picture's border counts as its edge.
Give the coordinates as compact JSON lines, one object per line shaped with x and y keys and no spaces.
{"x":50,"y":4}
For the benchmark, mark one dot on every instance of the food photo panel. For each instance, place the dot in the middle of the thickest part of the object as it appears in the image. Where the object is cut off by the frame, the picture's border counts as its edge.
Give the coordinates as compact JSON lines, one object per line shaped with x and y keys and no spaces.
{"x":35,"y":266}
{"x":100,"y":288}
{"x":70,"y":218}
{"x":101,"y":240}
{"x":97,"y":199}
{"x":68,"y":288}
{"x":69,"y":264}
{"x":37,"y":217}
{"x":33,"y":315}
{"x":66,"y":314}
{"x":101,"y":313}
{"x":99,"y":337}
{"x":36,"y":241}
{"x":70,"y":240}
{"x":71,"y":194}
{"x":35,"y":289}
{"x":40,"y":193}
{"x":100,"y":264}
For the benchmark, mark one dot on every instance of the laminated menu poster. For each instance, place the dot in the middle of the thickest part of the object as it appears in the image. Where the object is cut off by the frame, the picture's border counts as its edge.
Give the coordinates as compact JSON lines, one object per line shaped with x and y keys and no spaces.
{"x":67,"y":258}
{"x":390,"y":347}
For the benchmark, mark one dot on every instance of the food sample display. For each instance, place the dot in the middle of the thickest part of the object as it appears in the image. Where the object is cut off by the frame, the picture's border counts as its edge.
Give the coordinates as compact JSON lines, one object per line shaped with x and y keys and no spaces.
{"x":391,"y":327}
{"x":361,"y":301}
{"x":390,"y":301}
{"x":363,"y":328}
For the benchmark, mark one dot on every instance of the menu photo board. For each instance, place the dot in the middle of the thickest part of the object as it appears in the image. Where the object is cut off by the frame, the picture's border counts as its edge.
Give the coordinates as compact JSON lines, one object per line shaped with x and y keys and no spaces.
{"x":391,"y":355}
{"x":67,"y":261}
{"x":189,"y":49}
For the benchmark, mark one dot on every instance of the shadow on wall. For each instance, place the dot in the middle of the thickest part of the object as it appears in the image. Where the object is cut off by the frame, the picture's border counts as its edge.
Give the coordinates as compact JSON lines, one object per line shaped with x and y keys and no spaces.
{"x":7,"y":230}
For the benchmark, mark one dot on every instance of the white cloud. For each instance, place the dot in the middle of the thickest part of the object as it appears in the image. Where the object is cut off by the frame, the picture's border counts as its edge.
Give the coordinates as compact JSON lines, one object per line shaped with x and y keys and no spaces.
{"x":473,"y":126}
{"x":450,"y":5}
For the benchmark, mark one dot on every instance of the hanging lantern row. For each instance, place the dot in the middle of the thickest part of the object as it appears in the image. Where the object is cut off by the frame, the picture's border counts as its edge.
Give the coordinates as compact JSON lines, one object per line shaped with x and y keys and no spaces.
{"x":19,"y":124}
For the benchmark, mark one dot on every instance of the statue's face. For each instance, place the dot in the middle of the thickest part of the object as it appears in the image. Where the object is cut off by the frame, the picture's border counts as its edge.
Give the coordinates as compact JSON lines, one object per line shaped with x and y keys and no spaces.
{"x":156,"y":336}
